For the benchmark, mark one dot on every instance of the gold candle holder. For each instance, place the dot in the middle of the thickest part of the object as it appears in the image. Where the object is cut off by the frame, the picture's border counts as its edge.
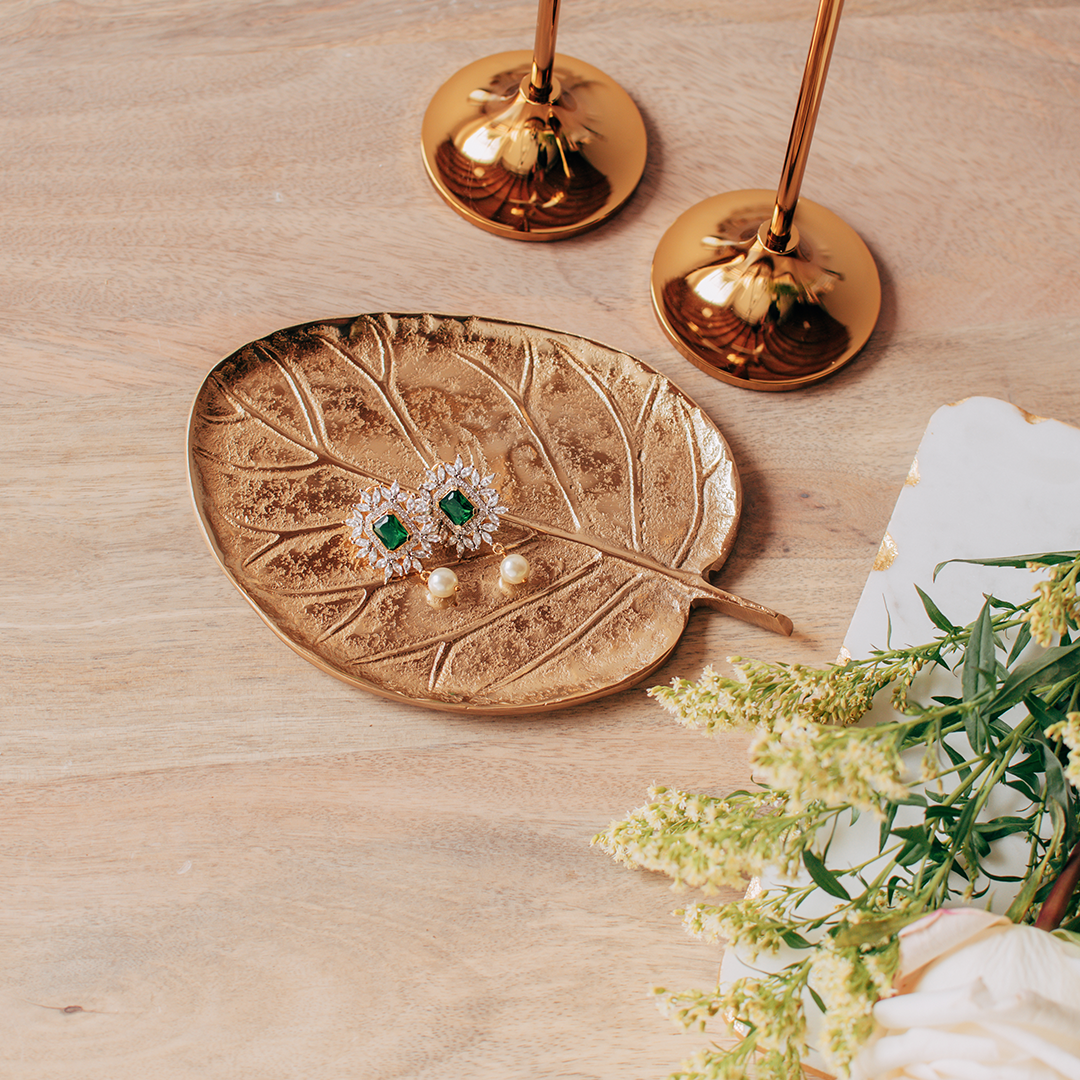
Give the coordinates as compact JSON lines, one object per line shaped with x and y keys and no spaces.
{"x":770,"y":293}
{"x":534,"y":147}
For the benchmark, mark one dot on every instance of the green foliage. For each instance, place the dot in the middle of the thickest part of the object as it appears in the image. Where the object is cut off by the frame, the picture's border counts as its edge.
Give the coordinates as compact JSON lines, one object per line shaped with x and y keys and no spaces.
{"x":1015,"y":723}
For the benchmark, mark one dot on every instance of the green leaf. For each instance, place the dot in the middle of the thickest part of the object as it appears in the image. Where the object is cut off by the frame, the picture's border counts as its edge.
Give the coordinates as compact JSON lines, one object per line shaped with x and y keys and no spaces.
{"x":911,"y":832}
{"x":1003,"y":826}
{"x":911,"y":800}
{"x":1027,"y":895}
{"x":958,"y":759}
{"x":999,"y":727}
{"x":936,"y":617}
{"x":913,"y":851}
{"x":1024,"y":788}
{"x":1058,"y":793}
{"x":1027,"y":767}
{"x":1021,"y":643}
{"x":817,"y":997}
{"x":957,"y":868}
{"x":887,"y":824}
{"x":966,"y":820}
{"x":795,"y":940}
{"x":969,"y":840}
{"x":979,"y":676}
{"x":1051,"y":665}
{"x":1046,"y":717}
{"x":1047,"y":558}
{"x":823,"y":877}
{"x":1067,"y":935}
{"x":874,"y":931}
{"x":979,"y":657}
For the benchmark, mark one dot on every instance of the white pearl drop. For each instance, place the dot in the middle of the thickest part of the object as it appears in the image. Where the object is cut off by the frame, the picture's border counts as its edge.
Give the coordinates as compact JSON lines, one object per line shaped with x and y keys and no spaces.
{"x":442,"y":583}
{"x":514,"y":569}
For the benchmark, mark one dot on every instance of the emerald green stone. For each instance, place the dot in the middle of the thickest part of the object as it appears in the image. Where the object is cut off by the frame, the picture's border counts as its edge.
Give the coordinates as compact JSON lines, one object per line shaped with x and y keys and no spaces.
{"x":456,"y":507}
{"x":391,"y":533}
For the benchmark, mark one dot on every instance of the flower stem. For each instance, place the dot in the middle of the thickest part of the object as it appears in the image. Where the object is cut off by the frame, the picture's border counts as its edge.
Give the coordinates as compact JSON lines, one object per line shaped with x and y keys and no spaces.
{"x":1056,"y":905}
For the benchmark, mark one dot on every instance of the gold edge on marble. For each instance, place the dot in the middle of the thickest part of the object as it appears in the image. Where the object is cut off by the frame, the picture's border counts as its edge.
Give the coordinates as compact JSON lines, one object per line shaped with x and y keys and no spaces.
{"x":887,"y":553}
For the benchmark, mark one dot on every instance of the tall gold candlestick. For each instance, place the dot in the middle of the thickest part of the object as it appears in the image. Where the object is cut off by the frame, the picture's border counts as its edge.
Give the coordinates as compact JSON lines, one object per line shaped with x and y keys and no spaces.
{"x":770,"y":298}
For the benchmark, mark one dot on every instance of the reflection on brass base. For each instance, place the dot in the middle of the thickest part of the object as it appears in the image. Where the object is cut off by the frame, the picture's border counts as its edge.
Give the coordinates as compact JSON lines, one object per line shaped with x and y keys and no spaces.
{"x":758,"y":318}
{"x":533,"y":170}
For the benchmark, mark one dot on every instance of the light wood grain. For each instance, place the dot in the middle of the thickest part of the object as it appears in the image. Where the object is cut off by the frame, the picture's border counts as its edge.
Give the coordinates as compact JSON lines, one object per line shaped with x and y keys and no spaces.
{"x":233,"y":865}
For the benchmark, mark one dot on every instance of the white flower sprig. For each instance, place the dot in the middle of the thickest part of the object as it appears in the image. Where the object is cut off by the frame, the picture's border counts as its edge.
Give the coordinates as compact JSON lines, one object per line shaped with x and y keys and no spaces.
{"x":1016,"y":723}
{"x":704,"y":842}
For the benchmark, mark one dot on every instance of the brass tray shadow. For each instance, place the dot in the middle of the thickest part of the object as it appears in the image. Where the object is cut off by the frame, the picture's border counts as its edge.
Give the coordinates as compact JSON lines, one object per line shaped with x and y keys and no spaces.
{"x":622,"y":494}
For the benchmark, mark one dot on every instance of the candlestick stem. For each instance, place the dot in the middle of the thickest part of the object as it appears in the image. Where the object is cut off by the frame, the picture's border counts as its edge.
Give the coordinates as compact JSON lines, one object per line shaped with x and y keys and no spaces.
{"x":547,"y":25}
{"x":770,"y":293}
{"x":802,"y":128}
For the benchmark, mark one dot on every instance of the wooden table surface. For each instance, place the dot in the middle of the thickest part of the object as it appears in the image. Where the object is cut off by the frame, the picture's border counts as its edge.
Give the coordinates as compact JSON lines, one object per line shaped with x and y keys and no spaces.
{"x":220,"y":862}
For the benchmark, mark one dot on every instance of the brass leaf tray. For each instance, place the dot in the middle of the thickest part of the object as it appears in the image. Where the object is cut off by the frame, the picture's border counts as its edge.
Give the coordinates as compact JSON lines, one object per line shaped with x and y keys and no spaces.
{"x":621,"y":493}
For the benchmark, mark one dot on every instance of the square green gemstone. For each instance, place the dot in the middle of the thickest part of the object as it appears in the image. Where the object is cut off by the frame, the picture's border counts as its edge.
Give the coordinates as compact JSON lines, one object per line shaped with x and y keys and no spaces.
{"x":391,"y":533}
{"x":456,"y":507}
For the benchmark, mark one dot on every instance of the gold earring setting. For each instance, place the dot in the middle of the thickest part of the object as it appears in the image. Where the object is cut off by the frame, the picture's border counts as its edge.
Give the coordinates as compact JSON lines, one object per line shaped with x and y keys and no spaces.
{"x":463,"y":506}
{"x":392,"y":530}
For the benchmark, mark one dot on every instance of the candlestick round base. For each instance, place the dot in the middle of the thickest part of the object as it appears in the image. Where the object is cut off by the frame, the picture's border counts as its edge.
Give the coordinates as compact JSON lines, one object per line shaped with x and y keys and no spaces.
{"x":756,"y":317}
{"x":533,"y":170}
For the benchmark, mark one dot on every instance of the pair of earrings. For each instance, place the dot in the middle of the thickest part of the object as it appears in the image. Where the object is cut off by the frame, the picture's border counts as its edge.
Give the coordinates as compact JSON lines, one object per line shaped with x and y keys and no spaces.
{"x":454,"y":506}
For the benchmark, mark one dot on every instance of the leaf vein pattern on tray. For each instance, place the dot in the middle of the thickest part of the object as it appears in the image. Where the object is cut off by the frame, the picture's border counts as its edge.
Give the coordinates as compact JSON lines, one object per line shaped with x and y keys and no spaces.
{"x":564,"y":643}
{"x":461,"y":633}
{"x":562,"y":481}
{"x":396,"y":409}
{"x":631,"y":451}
